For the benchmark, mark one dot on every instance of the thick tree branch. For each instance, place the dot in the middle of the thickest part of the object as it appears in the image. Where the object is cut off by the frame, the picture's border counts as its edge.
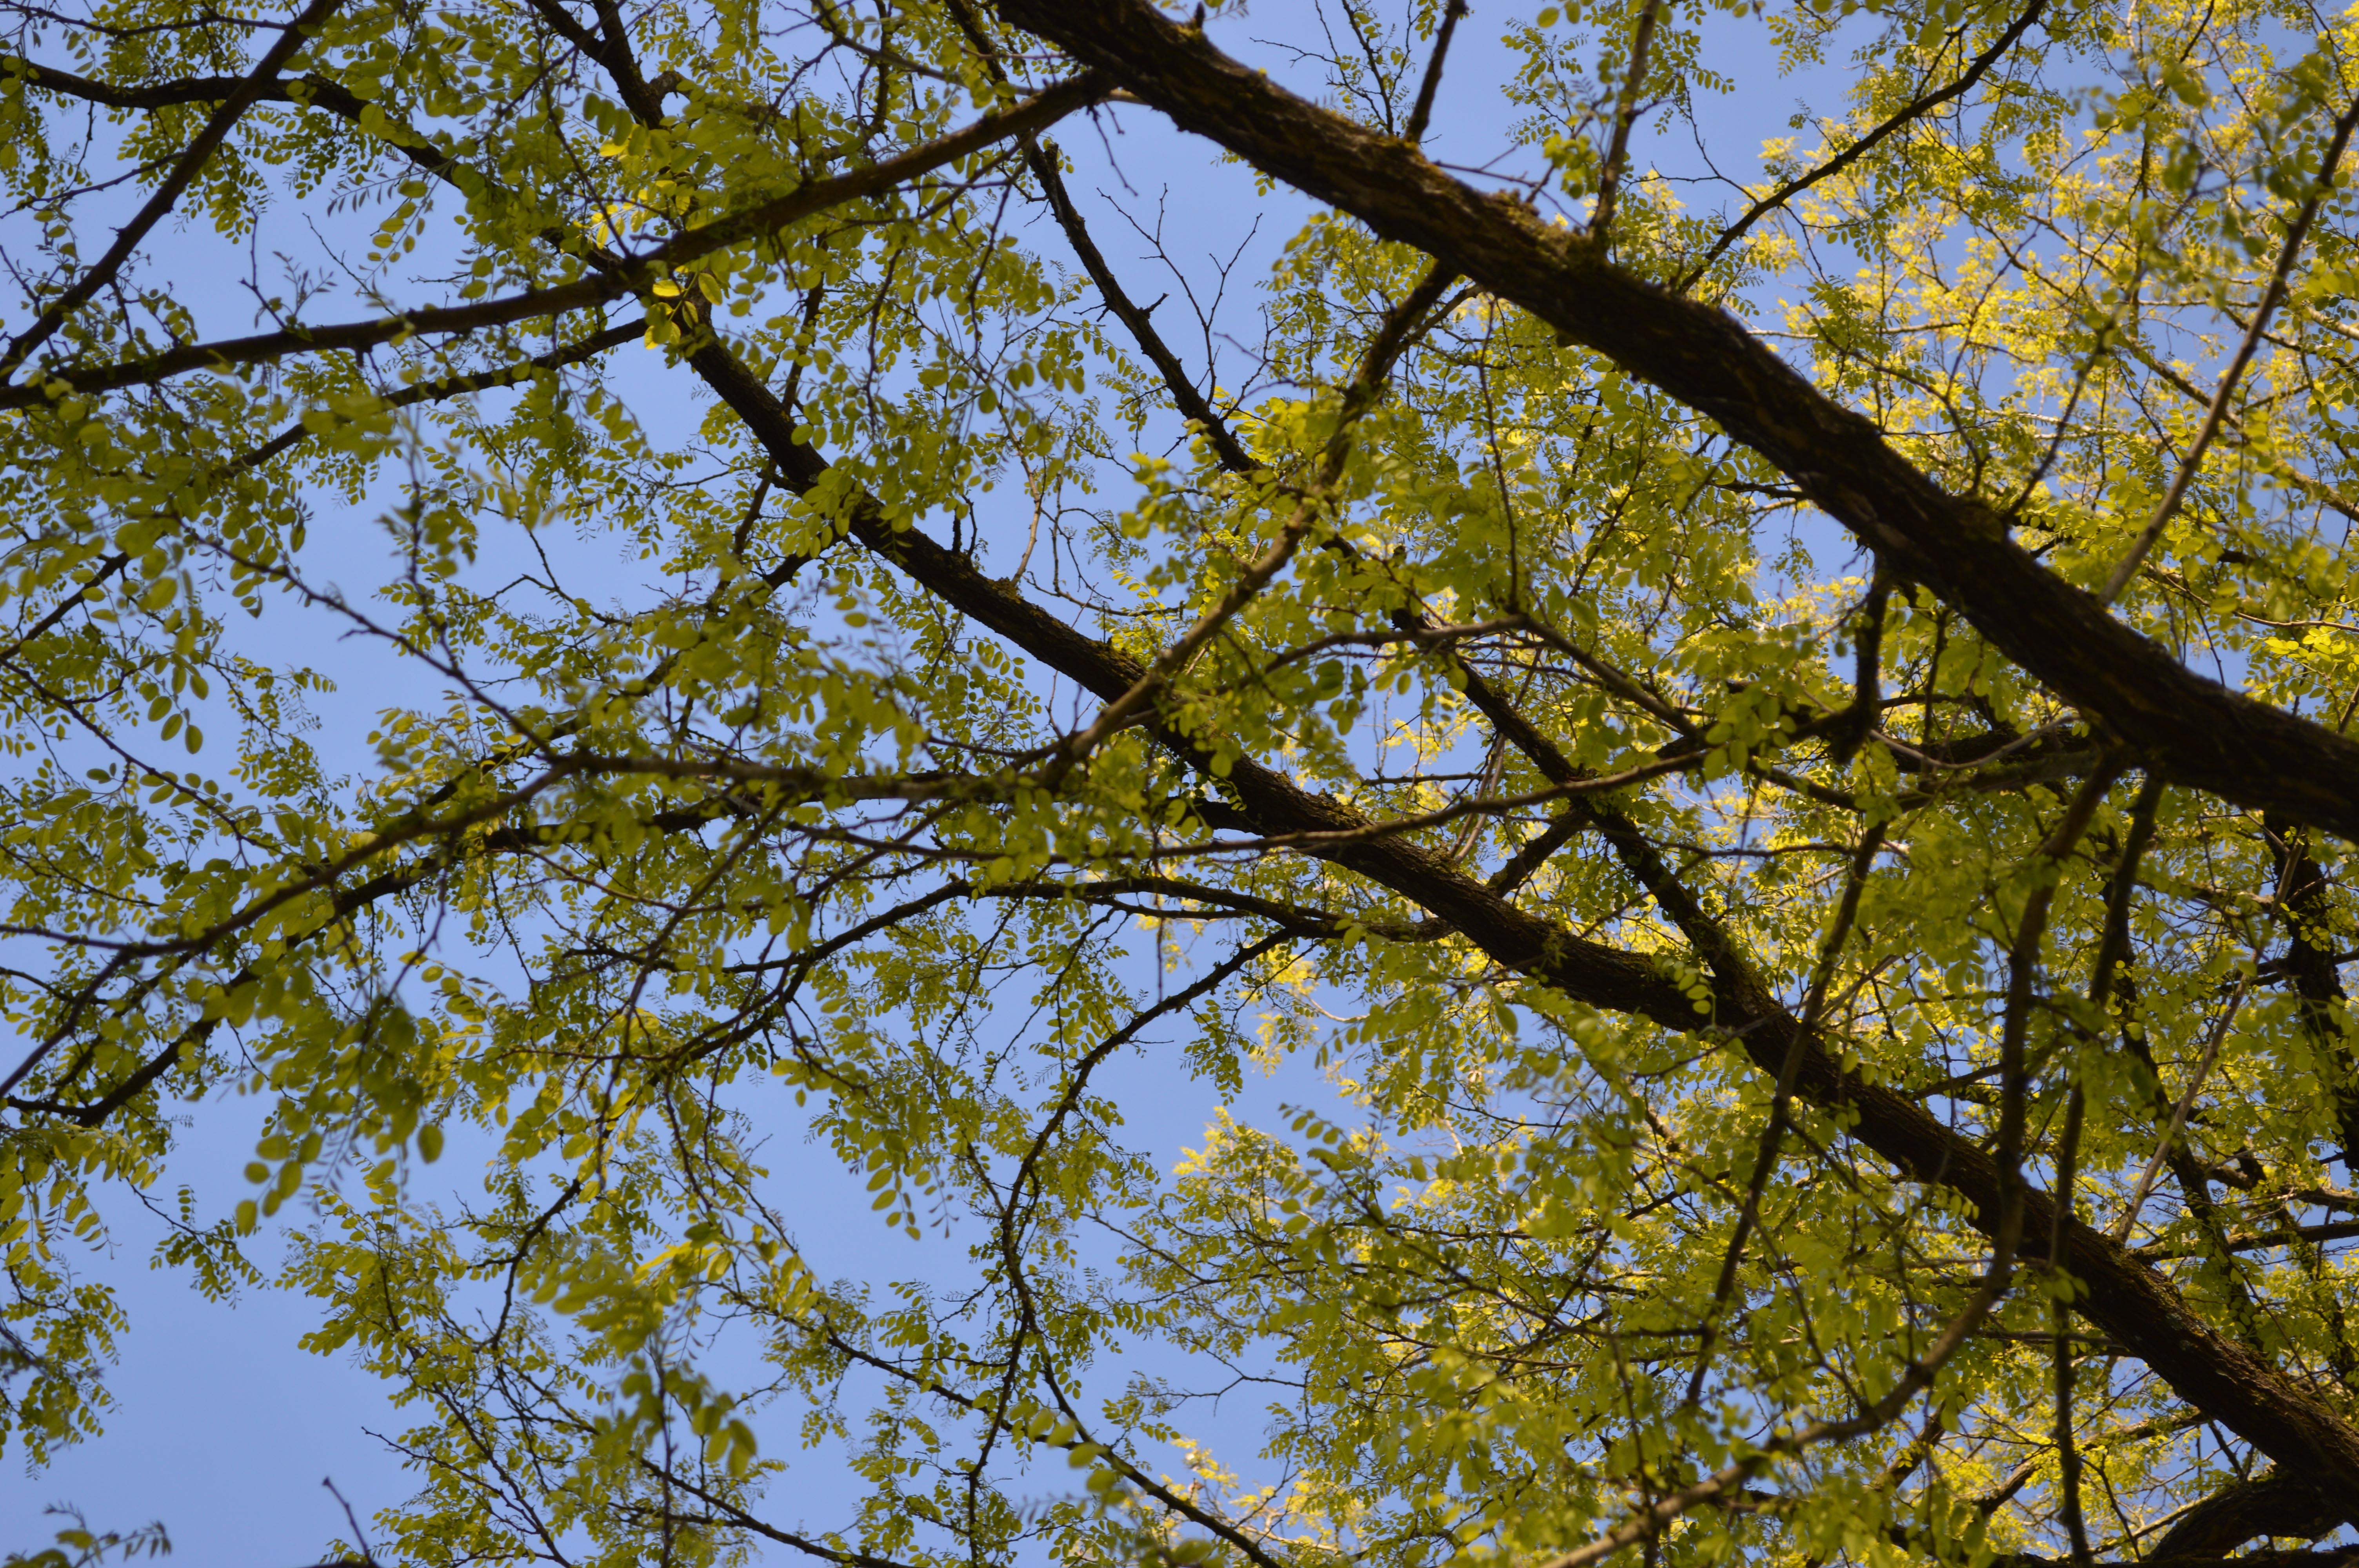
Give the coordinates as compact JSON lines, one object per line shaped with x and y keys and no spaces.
{"x":2127,"y":1301}
{"x":2277,"y":1504}
{"x":2310,"y":958}
{"x":2198,"y":731}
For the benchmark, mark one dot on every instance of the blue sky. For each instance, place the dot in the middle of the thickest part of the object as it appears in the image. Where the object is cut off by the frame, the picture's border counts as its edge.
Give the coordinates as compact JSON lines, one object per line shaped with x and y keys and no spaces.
{"x":223,"y":1428}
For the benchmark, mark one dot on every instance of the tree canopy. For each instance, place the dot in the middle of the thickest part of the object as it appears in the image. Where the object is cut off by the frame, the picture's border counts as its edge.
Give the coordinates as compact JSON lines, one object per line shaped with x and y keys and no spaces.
{"x":1774,"y":721}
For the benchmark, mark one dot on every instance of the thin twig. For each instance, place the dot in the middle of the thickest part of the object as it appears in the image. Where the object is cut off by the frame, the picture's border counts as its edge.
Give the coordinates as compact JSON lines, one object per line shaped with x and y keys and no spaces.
{"x":1773,"y":1135}
{"x":1042,"y":159}
{"x":1851,"y":154}
{"x":2217,"y":413}
{"x":2122,"y":1226}
{"x":631,"y":275}
{"x":1417,"y":116}
{"x":1400,"y":324}
{"x":167,"y":195}
{"x":1609,"y":181}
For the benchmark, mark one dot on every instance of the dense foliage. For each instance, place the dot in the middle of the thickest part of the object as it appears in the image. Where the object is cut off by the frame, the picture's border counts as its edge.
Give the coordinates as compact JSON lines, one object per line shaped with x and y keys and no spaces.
{"x":1699,"y":707}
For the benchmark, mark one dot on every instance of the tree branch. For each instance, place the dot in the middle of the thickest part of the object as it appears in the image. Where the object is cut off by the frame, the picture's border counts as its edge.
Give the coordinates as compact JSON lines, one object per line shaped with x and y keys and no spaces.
{"x":216,"y":130}
{"x":1915,"y":110}
{"x":629,"y":276}
{"x":2196,"y":731}
{"x":2127,"y":1301}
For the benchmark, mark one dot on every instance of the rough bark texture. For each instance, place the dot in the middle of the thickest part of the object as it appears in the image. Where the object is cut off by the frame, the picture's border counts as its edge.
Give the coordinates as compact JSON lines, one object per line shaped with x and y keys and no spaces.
{"x":2197,"y":731}
{"x":2277,"y":1504}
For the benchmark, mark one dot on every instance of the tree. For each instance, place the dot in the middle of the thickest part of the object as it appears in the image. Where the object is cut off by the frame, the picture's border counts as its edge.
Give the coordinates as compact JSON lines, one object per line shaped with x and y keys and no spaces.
{"x":1839,"y":1047}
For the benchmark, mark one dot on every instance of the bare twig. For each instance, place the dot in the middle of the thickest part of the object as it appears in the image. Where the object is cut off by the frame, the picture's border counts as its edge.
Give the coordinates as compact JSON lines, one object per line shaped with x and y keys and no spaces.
{"x":1609,"y":181}
{"x":2122,"y":1226}
{"x":2127,"y":567}
{"x":1849,"y":154}
{"x":1423,"y":112}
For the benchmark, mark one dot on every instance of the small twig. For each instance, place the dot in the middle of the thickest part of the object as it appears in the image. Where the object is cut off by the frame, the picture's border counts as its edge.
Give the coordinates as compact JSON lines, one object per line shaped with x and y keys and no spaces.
{"x":1920,"y":1371}
{"x":2217,"y":413}
{"x":1609,"y":181}
{"x":1042,"y":158}
{"x":2122,"y":1226}
{"x":1790,"y":1071}
{"x":1841,"y":160}
{"x":1400,"y":324}
{"x":1415,"y":130}
{"x":2098,"y":349}
{"x":360,"y":1538}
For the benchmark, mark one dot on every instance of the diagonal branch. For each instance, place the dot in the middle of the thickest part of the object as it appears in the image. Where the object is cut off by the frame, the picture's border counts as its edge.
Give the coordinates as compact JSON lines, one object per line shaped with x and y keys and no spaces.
{"x":167,"y":195}
{"x":449,"y":386}
{"x":2195,"y":730}
{"x":1915,"y":110}
{"x":2129,"y":1302}
{"x":1422,"y":111}
{"x":1191,"y":403}
{"x":1400,"y":324}
{"x":1609,"y":183}
{"x":1773,"y":1135}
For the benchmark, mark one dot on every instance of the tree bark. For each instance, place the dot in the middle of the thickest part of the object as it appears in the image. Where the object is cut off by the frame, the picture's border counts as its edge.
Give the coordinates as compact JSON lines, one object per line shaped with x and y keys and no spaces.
{"x":2198,"y":733}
